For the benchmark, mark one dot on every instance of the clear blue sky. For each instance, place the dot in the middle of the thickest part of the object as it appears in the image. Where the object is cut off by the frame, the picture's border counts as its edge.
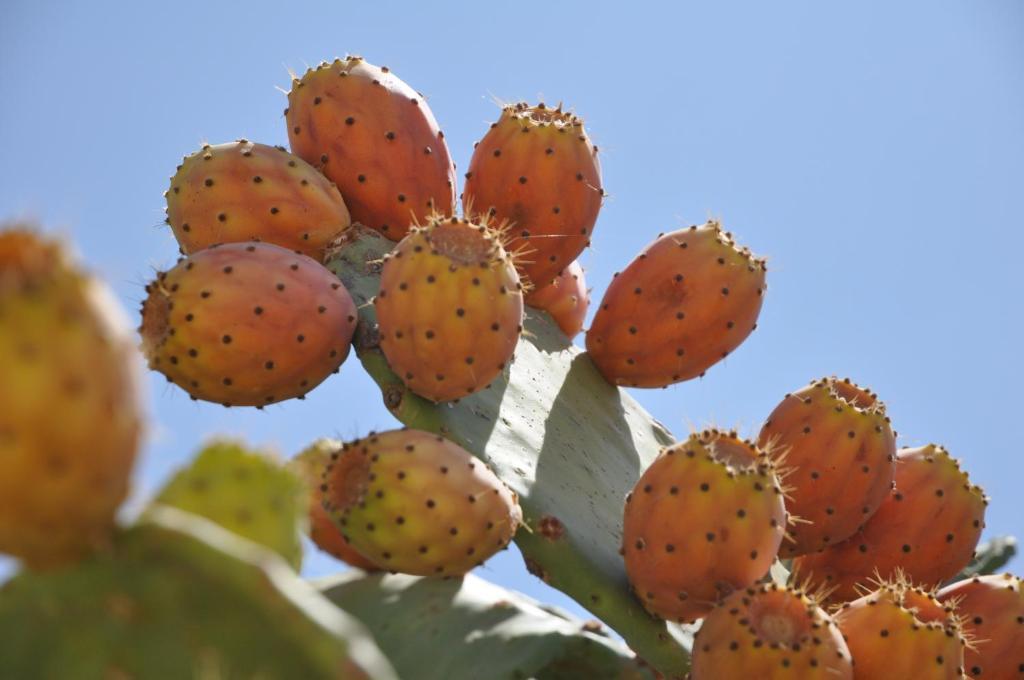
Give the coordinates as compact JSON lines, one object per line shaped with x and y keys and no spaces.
{"x":874,"y":152}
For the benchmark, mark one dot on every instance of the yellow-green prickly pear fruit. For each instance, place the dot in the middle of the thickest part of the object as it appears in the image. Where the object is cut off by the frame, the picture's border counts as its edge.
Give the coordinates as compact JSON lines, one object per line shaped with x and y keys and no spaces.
{"x":70,"y":409}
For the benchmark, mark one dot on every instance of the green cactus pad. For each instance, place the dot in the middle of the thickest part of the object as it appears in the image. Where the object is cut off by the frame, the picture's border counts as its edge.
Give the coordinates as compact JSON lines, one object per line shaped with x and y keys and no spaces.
{"x":989,"y":558}
{"x":244,"y":491}
{"x":179,"y":597}
{"x":466,"y":628}
{"x":558,"y":434}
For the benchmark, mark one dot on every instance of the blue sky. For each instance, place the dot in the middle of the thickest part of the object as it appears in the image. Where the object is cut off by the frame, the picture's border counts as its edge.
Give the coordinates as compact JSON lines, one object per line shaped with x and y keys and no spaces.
{"x":873,"y":151}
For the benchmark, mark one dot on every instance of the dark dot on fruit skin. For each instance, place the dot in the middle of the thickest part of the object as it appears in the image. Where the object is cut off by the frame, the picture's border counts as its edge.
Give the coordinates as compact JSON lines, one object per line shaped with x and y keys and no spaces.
{"x":208,"y":182}
{"x":226,"y":339}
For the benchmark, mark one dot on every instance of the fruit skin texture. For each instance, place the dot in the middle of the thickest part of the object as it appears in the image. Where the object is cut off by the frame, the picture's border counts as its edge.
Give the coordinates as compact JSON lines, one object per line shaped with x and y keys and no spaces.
{"x":310,"y":466}
{"x":902,"y":632}
{"x":247,"y":324}
{"x":376,"y":138}
{"x":463,"y":338}
{"x":927,"y":527}
{"x":566,"y":299}
{"x":70,"y":406}
{"x":705,"y":518}
{"x":841,"y":452}
{"x":689,"y":299}
{"x":993,"y":615}
{"x":770,"y":632}
{"x":243,"y":191}
{"x":417,"y":503}
{"x":537,"y":168}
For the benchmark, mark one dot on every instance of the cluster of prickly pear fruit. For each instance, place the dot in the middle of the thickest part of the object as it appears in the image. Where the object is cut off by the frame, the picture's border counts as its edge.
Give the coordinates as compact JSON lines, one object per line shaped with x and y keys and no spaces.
{"x":251,"y":316}
{"x":70,"y":413}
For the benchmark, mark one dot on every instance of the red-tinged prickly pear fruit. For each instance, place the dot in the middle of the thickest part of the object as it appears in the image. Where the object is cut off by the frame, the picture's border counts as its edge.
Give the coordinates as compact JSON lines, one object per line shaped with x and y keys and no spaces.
{"x":417,"y":503}
{"x":705,"y":518}
{"x":904,"y":633}
{"x":770,"y":632}
{"x":841,"y":451}
{"x":376,"y":138}
{"x":565,"y":298}
{"x":537,"y":168}
{"x":688,"y":300}
{"x":992,"y":608}
{"x":928,"y":527}
{"x":70,"y":406}
{"x":247,"y":324}
{"x":310,"y":465}
{"x":465,"y":333}
{"x":243,"y":191}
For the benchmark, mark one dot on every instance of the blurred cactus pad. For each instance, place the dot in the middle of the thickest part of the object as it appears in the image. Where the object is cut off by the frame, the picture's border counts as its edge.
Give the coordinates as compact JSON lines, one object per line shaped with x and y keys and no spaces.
{"x":178,"y":597}
{"x":560,"y":436}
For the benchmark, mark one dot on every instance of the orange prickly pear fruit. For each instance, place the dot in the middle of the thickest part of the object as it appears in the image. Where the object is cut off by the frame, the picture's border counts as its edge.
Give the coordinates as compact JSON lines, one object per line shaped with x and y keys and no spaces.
{"x":247,"y":324}
{"x":682,"y":305}
{"x":993,"y":614}
{"x":70,"y":406}
{"x":310,"y":466}
{"x":770,"y":632}
{"x":458,"y":341}
{"x":705,"y":518}
{"x":565,"y":298}
{"x":417,"y":503}
{"x":376,"y":138}
{"x":537,"y":168}
{"x":928,"y":527}
{"x":842,"y":452}
{"x":243,"y":191}
{"x":902,"y":632}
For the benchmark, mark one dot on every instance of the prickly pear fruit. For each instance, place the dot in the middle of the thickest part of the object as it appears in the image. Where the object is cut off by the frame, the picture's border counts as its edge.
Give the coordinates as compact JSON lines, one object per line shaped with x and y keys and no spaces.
{"x":992,"y":608}
{"x":179,"y":597}
{"x":310,"y":465}
{"x":565,"y":298}
{"x":243,"y":191}
{"x":705,"y":518}
{"x":770,"y":632}
{"x":376,"y":138}
{"x":70,"y":408}
{"x":247,"y":324}
{"x":682,"y":305}
{"x":246,"y":492}
{"x":450,"y":308}
{"x":537,"y":169}
{"x":928,"y":526}
{"x":902,"y":632}
{"x":842,"y":454}
{"x":417,"y":503}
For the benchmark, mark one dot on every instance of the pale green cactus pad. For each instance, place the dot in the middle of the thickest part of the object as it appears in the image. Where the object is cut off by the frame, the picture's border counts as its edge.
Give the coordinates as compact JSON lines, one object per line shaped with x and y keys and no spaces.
{"x":467,"y":628}
{"x":247,"y":492}
{"x":990,"y":557}
{"x":558,"y":434}
{"x":179,"y":597}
